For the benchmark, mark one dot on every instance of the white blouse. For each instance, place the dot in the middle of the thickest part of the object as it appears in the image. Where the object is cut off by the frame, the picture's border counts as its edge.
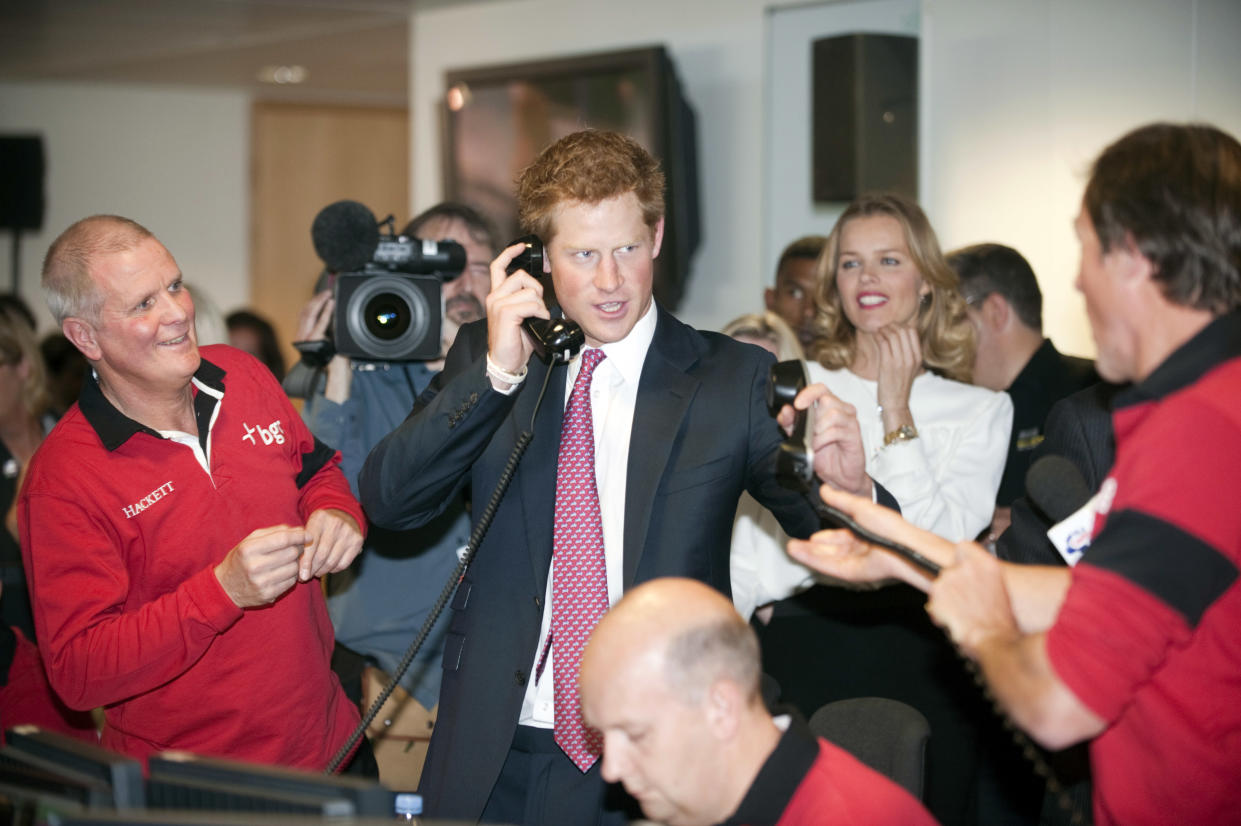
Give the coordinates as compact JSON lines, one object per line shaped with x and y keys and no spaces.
{"x":945,"y":480}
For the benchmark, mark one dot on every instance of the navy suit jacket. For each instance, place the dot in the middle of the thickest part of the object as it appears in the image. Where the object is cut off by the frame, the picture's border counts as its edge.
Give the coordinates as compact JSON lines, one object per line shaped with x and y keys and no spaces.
{"x":701,"y":435}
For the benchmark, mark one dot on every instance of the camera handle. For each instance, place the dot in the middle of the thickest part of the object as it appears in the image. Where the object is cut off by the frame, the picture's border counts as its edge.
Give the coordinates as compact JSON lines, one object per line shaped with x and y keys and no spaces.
{"x":454,"y":579}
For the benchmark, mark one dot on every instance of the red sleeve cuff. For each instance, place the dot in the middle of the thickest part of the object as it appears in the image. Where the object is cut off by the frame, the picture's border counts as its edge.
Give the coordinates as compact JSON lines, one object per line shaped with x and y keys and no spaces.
{"x":213,"y":603}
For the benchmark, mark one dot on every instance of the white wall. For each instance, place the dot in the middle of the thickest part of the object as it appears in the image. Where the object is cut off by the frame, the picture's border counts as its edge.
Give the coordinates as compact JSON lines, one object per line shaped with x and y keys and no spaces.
{"x":1017,"y":97}
{"x":1021,"y":96}
{"x":175,"y":160}
{"x":789,"y":208}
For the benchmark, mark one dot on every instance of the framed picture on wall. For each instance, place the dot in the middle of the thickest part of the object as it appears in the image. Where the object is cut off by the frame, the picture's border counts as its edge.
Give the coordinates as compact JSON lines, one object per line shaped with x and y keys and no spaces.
{"x":497,"y":119}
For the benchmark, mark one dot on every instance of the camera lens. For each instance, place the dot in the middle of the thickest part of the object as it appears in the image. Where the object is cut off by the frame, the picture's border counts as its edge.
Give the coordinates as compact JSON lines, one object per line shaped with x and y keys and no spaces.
{"x":387,"y":316}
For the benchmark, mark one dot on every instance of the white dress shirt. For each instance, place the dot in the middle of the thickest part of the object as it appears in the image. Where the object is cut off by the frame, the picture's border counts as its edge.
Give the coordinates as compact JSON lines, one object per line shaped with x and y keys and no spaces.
{"x":613,"y":396}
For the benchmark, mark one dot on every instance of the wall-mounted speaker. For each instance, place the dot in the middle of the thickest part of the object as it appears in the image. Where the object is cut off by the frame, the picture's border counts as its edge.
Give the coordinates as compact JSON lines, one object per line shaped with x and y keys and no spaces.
{"x":865,"y":116}
{"x":21,"y":182}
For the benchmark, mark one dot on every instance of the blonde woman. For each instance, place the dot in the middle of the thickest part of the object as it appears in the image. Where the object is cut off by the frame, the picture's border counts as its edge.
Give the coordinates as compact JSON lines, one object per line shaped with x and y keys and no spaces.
{"x":893,"y":348}
{"x":23,"y":424}
{"x":767,"y":330}
{"x":893,"y":342}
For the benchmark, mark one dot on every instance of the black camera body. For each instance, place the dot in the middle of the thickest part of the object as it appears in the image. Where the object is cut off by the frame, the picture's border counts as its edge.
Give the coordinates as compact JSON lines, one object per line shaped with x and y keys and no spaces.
{"x":391,"y":309}
{"x":385,"y":316}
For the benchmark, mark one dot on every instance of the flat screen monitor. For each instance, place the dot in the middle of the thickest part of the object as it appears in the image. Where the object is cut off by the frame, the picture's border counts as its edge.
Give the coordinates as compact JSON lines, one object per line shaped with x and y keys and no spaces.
{"x":107,"y":772}
{"x":179,"y":780}
{"x":33,"y":794}
{"x":171,"y":818}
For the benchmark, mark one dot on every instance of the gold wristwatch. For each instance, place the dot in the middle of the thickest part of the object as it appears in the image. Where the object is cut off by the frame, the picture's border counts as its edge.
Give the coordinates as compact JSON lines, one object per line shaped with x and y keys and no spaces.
{"x":902,"y":434}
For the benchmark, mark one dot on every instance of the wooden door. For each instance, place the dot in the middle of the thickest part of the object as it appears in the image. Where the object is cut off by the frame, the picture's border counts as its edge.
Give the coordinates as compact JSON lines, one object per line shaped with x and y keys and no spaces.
{"x":304,"y":157}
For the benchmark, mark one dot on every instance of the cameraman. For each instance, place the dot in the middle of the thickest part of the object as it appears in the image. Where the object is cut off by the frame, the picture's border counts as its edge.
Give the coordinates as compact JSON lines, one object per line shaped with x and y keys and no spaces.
{"x":378,"y":604}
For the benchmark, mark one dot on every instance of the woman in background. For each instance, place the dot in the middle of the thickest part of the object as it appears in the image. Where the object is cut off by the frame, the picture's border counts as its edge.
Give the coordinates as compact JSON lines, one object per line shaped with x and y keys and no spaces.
{"x":768,"y":331}
{"x":25,"y":694}
{"x":24,"y":421}
{"x":894,"y":346}
{"x":893,"y":340}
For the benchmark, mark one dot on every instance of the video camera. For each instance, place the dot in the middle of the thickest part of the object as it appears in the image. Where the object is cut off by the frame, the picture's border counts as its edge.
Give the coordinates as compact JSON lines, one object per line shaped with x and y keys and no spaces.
{"x":387,"y":287}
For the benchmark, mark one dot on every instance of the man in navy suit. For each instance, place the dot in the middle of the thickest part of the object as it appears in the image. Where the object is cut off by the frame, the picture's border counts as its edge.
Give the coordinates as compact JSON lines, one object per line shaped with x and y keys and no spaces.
{"x":680,"y":429}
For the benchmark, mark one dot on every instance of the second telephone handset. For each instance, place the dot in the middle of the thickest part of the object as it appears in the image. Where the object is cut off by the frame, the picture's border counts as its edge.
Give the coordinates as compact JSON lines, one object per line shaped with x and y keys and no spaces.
{"x":556,"y":340}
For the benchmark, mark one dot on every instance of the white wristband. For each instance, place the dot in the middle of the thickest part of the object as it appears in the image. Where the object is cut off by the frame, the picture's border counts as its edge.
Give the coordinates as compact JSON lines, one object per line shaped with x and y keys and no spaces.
{"x":504,"y":376}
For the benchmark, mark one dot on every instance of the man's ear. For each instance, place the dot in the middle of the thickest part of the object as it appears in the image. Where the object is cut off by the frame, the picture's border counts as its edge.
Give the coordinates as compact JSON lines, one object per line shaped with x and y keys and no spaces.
{"x":995,"y":311}
{"x":1133,"y":266}
{"x":724,"y":701}
{"x":659,"y":237}
{"x":23,"y":368}
{"x":82,"y":334}
{"x":769,"y":298}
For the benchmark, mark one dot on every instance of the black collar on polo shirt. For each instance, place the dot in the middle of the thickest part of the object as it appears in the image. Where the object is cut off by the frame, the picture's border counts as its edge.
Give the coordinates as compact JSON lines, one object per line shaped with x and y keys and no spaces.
{"x":778,"y":779}
{"x":114,"y":428}
{"x":1214,"y":344}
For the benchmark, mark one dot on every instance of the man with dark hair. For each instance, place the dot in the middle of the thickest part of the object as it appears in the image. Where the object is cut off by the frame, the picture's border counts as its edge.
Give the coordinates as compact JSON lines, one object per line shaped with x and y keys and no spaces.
{"x":174,"y":523}
{"x":670,"y":679}
{"x":792,"y":297}
{"x":1135,"y":647}
{"x":1078,"y":428}
{"x":379,"y":604}
{"x":249,"y":331}
{"x":66,"y":370}
{"x":463,"y":296}
{"x":637,"y":477}
{"x":1005,"y":305}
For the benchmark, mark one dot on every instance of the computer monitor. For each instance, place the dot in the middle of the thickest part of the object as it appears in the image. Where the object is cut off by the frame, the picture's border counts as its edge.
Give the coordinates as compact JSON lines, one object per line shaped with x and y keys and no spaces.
{"x":170,"y":818}
{"x":180,"y":780}
{"x":31,"y":794}
{"x":106,"y":777}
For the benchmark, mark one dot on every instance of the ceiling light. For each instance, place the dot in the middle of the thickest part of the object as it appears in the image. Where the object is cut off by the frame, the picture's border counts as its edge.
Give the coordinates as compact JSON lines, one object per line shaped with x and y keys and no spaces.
{"x":283,"y":75}
{"x":458,"y":96}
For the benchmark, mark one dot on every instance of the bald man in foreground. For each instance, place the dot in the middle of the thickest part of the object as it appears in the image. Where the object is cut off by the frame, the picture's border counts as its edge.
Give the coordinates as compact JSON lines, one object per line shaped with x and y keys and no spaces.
{"x":670,"y":678}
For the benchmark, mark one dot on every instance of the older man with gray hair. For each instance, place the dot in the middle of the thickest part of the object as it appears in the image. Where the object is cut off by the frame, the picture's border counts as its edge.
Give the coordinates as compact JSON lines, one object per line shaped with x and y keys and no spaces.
{"x":174,"y":522}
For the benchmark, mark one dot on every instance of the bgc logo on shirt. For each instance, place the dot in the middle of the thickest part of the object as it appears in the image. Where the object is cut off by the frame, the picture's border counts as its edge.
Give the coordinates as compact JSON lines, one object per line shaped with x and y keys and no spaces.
{"x":271,"y":434}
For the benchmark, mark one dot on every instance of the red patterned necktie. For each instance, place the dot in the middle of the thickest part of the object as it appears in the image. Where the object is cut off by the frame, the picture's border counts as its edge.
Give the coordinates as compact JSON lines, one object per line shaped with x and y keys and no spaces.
{"x":579,"y":576}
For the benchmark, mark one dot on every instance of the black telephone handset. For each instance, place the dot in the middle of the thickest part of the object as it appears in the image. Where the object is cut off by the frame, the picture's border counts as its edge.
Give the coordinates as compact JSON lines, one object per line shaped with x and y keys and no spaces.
{"x":556,"y":340}
{"x":795,"y":462}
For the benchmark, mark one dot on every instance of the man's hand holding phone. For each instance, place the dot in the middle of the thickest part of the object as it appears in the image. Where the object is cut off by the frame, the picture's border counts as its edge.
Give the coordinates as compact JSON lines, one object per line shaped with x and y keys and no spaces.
{"x":836,"y":439}
{"x":512,"y":300}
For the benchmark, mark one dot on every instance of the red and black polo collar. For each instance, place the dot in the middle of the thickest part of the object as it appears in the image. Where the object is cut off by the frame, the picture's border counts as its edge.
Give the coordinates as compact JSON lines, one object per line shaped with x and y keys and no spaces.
{"x":1218,"y":342}
{"x":114,"y":428}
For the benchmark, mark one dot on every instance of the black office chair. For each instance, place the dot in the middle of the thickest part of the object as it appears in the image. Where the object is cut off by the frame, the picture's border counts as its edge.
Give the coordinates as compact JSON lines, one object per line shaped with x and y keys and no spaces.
{"x":887,"y":735}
